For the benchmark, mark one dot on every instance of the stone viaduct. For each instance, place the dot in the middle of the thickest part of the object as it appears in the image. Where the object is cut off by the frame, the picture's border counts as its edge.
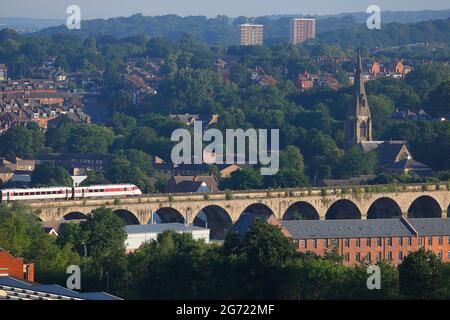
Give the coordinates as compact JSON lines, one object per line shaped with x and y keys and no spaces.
{"x":219,"y":211}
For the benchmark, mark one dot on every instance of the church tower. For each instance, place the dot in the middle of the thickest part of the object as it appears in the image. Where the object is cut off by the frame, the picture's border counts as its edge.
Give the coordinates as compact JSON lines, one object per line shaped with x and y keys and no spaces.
{"x":358,"y":124}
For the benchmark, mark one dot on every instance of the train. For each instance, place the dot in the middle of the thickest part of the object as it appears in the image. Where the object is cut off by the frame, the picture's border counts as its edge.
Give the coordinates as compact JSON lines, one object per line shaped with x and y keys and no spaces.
{"x":70,"y":193}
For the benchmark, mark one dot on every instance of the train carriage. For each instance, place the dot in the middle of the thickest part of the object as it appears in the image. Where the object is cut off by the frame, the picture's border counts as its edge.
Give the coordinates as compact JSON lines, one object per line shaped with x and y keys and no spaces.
{"x":107,"y":191}
{"x":98,"y":191}
{"x":36,"y":194}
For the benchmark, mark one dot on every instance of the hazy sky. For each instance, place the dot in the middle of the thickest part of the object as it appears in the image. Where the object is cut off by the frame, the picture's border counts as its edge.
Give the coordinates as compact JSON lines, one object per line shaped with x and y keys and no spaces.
{"x":111,"y":8}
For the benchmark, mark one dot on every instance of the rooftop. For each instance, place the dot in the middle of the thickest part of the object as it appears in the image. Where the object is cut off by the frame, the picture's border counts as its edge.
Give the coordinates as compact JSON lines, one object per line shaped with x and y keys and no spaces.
{"x":35,"y":291}
{"x":370,"y":228}
{"x":335,"y":229}
{"x":159,"y":228}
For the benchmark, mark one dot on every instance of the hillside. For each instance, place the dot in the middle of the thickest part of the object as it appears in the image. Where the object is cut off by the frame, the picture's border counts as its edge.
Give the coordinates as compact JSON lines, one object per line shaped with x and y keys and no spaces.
{"x":345,"y":32}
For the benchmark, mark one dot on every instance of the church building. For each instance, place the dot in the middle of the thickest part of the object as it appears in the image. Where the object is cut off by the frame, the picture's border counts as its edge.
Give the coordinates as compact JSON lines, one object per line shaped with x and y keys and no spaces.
{"x":358,"y":132}
{"x":358,"y":125}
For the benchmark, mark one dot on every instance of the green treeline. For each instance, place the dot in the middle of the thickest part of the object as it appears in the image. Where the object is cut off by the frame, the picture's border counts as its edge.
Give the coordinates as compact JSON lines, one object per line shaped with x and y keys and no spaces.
{"x":311,"y":123}
{"x":344,"y":31}
{"x":263,"y":264}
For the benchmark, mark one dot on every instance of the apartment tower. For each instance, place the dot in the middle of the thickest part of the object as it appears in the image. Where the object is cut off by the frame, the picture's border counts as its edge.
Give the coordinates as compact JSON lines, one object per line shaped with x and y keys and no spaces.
{"x":251,"y":34}
{"x":302,"y":30}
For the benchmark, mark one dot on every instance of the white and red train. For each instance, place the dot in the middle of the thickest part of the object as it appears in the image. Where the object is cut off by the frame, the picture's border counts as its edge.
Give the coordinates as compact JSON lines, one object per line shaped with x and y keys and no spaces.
{"x":99,"y":191}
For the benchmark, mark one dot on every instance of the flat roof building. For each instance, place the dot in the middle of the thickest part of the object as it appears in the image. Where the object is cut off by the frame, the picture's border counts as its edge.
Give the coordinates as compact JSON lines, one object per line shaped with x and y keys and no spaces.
{"x":137,"y":235}
{"x":302,"y":29}
{"x":3,"y":72}
{"x":251,"y":34}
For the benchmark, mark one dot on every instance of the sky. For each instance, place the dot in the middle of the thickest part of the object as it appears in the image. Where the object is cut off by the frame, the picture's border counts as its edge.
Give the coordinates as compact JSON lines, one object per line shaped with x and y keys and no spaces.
{"x":56,"y":9}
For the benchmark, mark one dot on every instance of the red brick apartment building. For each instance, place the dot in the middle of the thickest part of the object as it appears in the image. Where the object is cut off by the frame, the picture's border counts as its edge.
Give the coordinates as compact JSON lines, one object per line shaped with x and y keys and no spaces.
{"x":302,"y":30}
{"x":251,"y":34}
{"x":372,"y":240}
{"x":14,"y":267}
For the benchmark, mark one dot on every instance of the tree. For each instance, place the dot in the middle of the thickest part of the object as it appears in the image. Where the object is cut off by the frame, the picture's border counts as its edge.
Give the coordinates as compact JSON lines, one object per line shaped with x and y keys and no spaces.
{"x":47,"y":174}
{"x":17,"y":142}
{"x":22,"y":235}
{"x":175,"y":266}
{"x":381,"y":107}
{"x":356,"y":162}
{"x":287,"y":178}
{"x":439,"y":100}
{"x":103,"y":234}
{"x":244,"y":179}
{"x":420,"y":275}
{"x":122,"y":124}
{"x":90,"y":139}
{"x":263,"y":256}
{"x":121,"y":170}
{"x":427,"y":77}
{"x":292,"y":158}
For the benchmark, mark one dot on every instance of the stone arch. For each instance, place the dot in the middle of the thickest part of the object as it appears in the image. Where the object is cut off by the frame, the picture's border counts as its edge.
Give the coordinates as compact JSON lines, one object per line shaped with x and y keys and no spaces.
{"x":167,"y":215}
{"x":425,"y":207}
{"x":384,"y":208}
{"x":301,"y":210}
{"x":258,"y":209}
{"x":343,"y":209}
{"x":75,"y":215}
{"x":216,"y":219}
{"x":127,"y":216}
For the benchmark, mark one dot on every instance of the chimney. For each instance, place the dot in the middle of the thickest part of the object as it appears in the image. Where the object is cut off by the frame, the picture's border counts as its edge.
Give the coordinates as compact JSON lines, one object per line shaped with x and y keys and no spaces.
{"x":28,"y":272}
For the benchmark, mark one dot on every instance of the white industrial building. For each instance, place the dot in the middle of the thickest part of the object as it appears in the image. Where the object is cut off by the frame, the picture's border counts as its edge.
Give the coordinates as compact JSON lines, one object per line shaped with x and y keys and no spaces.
{"x":139,"y":234}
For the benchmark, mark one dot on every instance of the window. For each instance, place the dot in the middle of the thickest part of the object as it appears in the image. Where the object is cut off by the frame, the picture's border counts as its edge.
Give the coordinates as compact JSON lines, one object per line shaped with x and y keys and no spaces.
{"x":363,"y":126}
{"x":389,"y":241}
{"x":448,"y":255}
{"x":358,"y":242}
{"x":390,"y":256}
{"x":369,"y":242}
{"x":347,"y":243}
{"x":315,"y":244}
{"x":430,"y":241}
{"x":368,"y":257}
{"x":378,"y":256}
{"x":409,"y":241}
{"x":400,"y":256}
{"x":440,"y":254}
{"x":379,"y":242}
{"x":305,"y":244}
{"x":347,"y":257}
{"x":441,"y":241}
{"x":358,"y":257}
{"x":400,"y":242}
{"x":420,"y":241}
{"x":325,"y":243}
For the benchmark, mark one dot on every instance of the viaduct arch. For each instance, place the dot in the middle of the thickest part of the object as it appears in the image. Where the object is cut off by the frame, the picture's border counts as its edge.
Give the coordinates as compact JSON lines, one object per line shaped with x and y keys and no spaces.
{"x":218,"y":209}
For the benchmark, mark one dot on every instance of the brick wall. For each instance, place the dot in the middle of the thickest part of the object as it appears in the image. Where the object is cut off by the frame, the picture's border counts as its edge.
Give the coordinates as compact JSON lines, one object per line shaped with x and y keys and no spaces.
{"x":393,"y":248}
{"x":15,"y":267}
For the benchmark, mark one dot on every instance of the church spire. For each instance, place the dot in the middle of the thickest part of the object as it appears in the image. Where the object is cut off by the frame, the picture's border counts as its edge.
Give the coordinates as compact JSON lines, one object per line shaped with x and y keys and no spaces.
{"x":359,"y":68}
{"x":358,"y":126}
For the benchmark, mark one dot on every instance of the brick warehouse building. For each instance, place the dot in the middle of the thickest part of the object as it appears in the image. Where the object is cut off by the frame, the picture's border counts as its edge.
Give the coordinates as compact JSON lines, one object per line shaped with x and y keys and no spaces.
{"x":372,"y":240}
